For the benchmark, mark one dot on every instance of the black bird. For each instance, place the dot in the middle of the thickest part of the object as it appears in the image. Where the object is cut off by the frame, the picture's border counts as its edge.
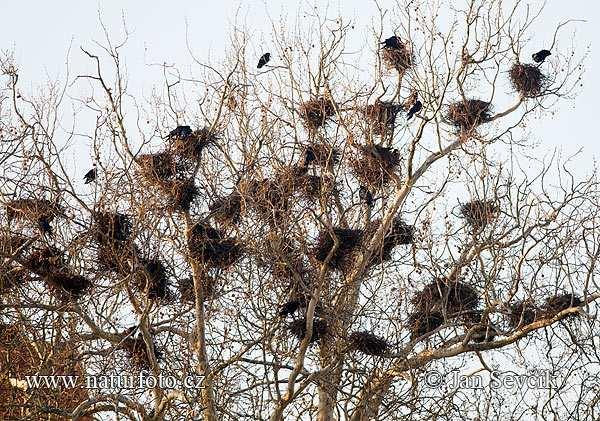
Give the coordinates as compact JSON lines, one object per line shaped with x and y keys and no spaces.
{"x":264,"y":60}
{"x":309,"y":156}
{"x":540,"y":56}
{"x":392,"y":42}
{"x":44,"y":226}
{"x":414,"y":109}
{"x":180,"y":132}
{"x":289,"y":308}
{"x":366,"y":196}
{"x":90,"y":176}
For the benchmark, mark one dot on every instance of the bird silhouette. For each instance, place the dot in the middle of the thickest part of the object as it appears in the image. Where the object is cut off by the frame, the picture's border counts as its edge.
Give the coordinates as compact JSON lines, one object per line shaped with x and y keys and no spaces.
{"x":540,"y":56}
{"x":366,"y":196}
{"x":392,"y":42}
{"x":309,"y":156}
{"x":90,"y":176}
{"x":414,"y":109}
{"x":289,"y":308}
{"x":180,"y":132}
{"x":264,"y":60}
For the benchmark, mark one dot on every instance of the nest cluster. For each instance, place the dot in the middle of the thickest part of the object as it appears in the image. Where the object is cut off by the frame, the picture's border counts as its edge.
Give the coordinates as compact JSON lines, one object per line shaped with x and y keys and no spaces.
{"x":342,"y":256}
{"x":467,"y":115}
{"x":528,"y":80}
{"x":374,"y":165}
{"x":316,"y":112}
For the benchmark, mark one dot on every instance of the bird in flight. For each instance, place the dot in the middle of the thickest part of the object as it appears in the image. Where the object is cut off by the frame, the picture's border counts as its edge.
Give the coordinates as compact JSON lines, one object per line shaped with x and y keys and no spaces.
{"x":180,"y":132}
{"x":392,"y":42}
{"x":417,"y":106}
{"x":90,"y":175}
{"x":264,"y":60}
{"x":540,"y":56}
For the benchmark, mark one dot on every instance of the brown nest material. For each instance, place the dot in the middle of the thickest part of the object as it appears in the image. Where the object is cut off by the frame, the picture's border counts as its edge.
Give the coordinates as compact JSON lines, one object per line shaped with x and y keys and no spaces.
{"x":111,"y":227}
{"x":40,"y":211}
{"x":397,"y":55}
{"x":298,"y":328}
{"x":523,"y":313}
{"x":192,"y":146}
{"x":421,"y":323}
{"x":349,"y":240}
{"x":115,"y":257}
{"x":227,"y":210}
{"x":182,"y":194}
{"x":295,"y":179}
{"x":367,"y":343}
{"x":45,"y":261}
{"x":446,"y":296}
{"x":158,"y":167}
{"x":137,"y":351}
{"x":374,"y":165}
{"x":400,"y":233}
{"x":9,"y":281}
{"x":560,"y":302}
{"x":12,"y":245}
{"x":382,"y":116}
{"x":320,"y":154}
{"x":315,"y":112}
{"x":67,"y":286}
{"x":467,"y":115}
{"x":187,"y":292}
{"x":152,"y":279}
{"x":479,"y":212}
{"x":270,"y":198}
{"x":209,"y":246}
{"x":527,"y":79}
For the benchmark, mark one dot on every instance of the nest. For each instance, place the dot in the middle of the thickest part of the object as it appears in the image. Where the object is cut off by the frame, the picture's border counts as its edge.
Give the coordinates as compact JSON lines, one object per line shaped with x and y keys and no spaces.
{"x":136,"y":350}
{"x":270,"y":198}
{"x":192,"y":146}
{"x":182,"y":194}
{"x":319,"y":328}
{"x":374,"y":165}
{"x":446,"y":296}
{"x":112,"y":228}
{"x":67,"y":286}
{"x":527,"y":79}
{"x":320,"y":154}
{"x":382,"y":116}
{"x":227,"y":210}
{"x":397,"y":55}
{"x":560,"y":302}
{"x":40,"y":211}
{"x":400,"y":234}
{"x":467,"y":115}
{"x":114,"y":257}
{"x":209,"y":246}
{"x":421,"y":323}
{"x":11,"y":245}
{"x":523,"y":313}
{"x":295,"y":179}
{"x":45,"y":261}
{"x":152,"y":279}
{"x":349,"y":241}
{"x":479,"y":212}
{"x":315,"y":112}
{"x":158,"y":167}
{"x":367,"y":343}
{"x":188,"y":294}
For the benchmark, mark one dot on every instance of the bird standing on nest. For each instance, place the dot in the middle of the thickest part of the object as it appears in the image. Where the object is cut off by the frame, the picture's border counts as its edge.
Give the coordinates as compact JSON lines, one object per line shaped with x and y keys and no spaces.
{"x":263,"y":60}
{"x":540,"y":56}
{"x":393,"y":42}
{"x":180,"y":132}
{"x":90,"y":175}
{"x":417,"y":106}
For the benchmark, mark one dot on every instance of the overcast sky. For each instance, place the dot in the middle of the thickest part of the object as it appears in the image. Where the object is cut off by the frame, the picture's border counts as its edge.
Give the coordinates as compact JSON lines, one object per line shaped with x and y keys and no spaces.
{"x":40,"y":33}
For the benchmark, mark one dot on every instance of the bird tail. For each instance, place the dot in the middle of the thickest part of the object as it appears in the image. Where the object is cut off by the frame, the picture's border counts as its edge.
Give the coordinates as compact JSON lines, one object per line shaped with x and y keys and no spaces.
{"x":410,"y":115}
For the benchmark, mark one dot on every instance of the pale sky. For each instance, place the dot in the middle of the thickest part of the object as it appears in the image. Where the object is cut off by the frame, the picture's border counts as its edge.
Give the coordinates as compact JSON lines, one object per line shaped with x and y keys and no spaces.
{"x":40,"y":33}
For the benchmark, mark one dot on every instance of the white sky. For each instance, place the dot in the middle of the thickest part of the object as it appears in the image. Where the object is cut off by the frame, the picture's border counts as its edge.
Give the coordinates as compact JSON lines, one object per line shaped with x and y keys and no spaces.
{"x":40,"y":33}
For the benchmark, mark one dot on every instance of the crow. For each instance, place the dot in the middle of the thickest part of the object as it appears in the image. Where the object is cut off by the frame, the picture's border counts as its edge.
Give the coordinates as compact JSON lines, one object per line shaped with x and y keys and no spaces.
{"x":180,"y":132}
{"x":365,"y":195}
{"x":90,"y":176}
{"x":393,"y":42}
{"x":540,"y":56}
{"x":414,"y":109}
{"x":44,"y":226}
{"x":309,"y":156}
{"x":289,"y":308}
{"x":264,"y":60}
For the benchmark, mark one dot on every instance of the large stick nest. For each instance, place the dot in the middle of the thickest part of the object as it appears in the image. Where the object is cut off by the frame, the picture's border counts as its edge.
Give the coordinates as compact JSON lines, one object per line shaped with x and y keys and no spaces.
{"x":320,"y":154}
{"x":209,"y":246}
{"x":227,"y":210}
{"x":269,"y":198}
{"x":368,"y":343}
{"x":399,"y":56}
{"x":446,"y":296}
{"x":112,"y":227}
{"x":400,"y":233}
{"x":181,"y":193}
{"x":46,"y":261}
{"x":67,"y":286}
{"x":158,"y":167}
{"x":192,"y":146}
{"x":467,"y":115}
{"x":311,"y":187}
{"x":528,"y":80}
{"x":523,"y":313}
{"x":557,"y":303}
{"x":479,"y":212}
{"x":349,"y":241}
{"x":319,"y":328}
{"x":151,"y":278}
{"x":421,"y":323}
{"x":188,"y":293}
{"x":382,"y":116}
{"x":374,"y":165}
{"x":40,"y":211}
{"x":315,"y":112}
{"x":137,"y":351}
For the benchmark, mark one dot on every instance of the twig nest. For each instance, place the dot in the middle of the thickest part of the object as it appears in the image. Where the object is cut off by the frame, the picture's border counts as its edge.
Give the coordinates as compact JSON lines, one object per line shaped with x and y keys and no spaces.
{"x":67,"y":286}
{"x":397,"y":55}
{"x":158,"y":167}
{"x":422,"y":322}
{"x":368,"y":343}
{"x":319,"y":328}
{"x":188,"y":293}
{"x":45,"y":261}
{"x":210,"y":247}
{"x":191,"y":146}
{"x":528,"y":80}
{"x":374,"y":165}
{"x":320,"y":154}
{"x":479,"y":212}
{"x":382,"y":116}
{"x":349,"y":241}
{"x":557,"y":303}
{"x":400,"y":233}
{"x":115,"y":257}
{"x":112,"y":227}
{"x":467,"y":115}
{"x":137,"y":351}
{"x":446,"y":296}
{"x":270,"y":198}
{"x":523,"y":313}
{"x":315,"y":112}
{"x":151,"y":278}
{"x":181,"y":194}
{"x":227,"y":210}
{"x":40,"y":211}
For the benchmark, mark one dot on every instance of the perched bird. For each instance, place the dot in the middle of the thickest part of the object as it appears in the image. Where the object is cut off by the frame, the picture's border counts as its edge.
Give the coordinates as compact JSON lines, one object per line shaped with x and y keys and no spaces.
{"x":540,"y":56}
{"x":289,"y":308}
{"x":44,"y":226}
{"x":90,"y":175}
{"x":392,"y":42}
{"x":366,"y":196}
{"x":309,"y":156}
{"x":406,"y":105}
{"x":264,"y":60}
{"x":414,"y":109}
{"x":180,"y":132}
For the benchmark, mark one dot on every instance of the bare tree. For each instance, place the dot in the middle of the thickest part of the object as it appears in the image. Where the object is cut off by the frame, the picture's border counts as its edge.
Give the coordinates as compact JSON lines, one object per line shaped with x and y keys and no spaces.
{"x":307,"y":240}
